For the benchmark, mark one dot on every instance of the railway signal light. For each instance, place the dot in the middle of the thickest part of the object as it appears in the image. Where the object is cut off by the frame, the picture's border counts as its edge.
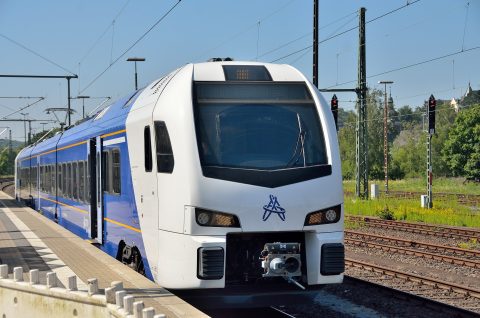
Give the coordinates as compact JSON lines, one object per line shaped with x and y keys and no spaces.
{"x":431,"y":114}
{"x":334,"y":108}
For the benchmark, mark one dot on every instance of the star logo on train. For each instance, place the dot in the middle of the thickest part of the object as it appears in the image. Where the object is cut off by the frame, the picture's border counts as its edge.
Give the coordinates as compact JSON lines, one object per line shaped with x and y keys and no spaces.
{"x":273,"y":207}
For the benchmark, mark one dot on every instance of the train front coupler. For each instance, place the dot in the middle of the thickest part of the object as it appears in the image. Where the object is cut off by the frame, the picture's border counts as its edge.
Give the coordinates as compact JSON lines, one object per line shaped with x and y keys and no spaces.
{"x":282,"y":259}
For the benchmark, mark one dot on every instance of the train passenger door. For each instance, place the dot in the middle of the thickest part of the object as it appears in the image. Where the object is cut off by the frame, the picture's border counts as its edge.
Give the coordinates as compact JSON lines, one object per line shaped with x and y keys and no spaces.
{"x":92,"y":172}
{"x":96,"y":189}
{"x":99,"y":189}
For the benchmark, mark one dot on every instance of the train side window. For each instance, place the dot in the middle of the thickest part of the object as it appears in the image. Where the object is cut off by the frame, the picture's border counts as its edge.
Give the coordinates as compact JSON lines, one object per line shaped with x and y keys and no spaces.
{"x":87,"y":178}
{"x":115,"y":167}
{"x":54,"y":179}
{"x":47,"y":182}
{"x":69,"y":180}
{"x":147,"y":143}
{"x":59,"y":178}
{"x":74,"y":181}
{"x":64,"y":181}
{"x":165,"y":161}
{"x":81,"y":181}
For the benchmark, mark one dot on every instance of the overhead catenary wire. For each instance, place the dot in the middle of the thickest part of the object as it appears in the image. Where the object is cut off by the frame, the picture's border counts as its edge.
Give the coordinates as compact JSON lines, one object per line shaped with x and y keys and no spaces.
{"x":131,"y":46}
{"x":243,"y":31}
{"x":348,"y":30}
{"x":305,"y":35}
{"x":35,"y":53}
{"x":25,"y":107}
{"x":465,"y":26}
{"x":412,"y":65}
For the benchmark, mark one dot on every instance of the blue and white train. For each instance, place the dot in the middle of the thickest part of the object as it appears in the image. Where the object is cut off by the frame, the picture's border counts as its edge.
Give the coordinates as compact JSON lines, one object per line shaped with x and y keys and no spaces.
{"x":221,"y":175}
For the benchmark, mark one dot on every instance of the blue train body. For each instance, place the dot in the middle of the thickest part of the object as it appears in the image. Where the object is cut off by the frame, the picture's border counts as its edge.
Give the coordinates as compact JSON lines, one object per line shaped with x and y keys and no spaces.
{"x":53,"y":177}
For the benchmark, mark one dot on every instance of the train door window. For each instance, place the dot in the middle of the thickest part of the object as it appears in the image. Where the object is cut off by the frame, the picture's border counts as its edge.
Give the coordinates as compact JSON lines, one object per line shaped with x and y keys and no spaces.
{"x":147,"y":142}
{"x":115,"y":167}
{"x":106,"y":171}
{"x":165,"y":161}
{"x":81,"y":181}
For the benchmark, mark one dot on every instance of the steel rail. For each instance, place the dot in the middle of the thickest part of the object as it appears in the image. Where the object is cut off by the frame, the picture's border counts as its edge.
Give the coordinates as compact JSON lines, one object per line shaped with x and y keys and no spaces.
{"x":416,"y":244}
{"x":465,"y":290}
{"x":412,"y":252}
{"x":436,"y":230}
{"x":461,"y":198}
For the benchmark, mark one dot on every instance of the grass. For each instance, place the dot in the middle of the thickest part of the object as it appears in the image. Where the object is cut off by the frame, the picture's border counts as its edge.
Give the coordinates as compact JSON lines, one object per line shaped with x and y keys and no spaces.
{"x":443,"y":212}
{"x":440,"y":185}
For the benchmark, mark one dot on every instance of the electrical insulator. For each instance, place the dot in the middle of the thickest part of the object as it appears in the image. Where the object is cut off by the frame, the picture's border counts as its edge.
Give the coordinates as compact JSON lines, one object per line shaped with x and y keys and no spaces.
{"x":334,"y":108}
{"x":431,"y":114}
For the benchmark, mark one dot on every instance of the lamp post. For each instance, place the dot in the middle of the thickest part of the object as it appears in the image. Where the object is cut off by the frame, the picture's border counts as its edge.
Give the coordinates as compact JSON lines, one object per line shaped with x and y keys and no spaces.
{"x":385,"y":135}
{"x":136,"y":59}
{"x":82,"y":97}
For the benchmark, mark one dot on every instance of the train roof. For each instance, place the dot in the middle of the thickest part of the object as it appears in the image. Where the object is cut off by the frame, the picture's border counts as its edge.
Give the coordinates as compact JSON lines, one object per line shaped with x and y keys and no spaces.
{"x":112,"y":118}
{"x":109,"y":119}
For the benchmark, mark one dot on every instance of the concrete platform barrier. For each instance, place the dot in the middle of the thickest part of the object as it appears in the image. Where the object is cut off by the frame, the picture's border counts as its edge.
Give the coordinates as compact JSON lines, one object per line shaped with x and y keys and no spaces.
{"x":20,"y":298}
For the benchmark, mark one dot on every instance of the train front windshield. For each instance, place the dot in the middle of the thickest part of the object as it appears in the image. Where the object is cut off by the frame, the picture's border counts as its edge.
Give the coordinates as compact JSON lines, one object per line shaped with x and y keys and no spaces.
{"x":257,"y":125}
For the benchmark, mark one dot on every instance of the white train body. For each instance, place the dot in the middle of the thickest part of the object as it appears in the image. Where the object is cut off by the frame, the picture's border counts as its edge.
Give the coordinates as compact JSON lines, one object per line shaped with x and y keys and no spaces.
{"x":166,"y":202}
{"x":223,"y":176}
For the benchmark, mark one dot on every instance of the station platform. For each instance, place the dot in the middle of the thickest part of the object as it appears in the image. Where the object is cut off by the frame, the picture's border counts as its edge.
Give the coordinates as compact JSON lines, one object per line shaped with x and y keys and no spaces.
{"x":31,"y":241}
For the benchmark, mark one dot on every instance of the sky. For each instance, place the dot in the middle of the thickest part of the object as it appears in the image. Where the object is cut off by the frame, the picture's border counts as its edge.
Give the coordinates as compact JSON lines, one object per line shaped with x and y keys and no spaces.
{"x":93,"y":39}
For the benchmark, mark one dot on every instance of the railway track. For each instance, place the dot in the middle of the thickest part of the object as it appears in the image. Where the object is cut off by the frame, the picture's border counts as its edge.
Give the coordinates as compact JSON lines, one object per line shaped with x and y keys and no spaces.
{"x":7,"y":187}
{"x":434,"y":230}
{"x":448,"y":250}
{"x":461,"y":198}
{"x":432,"y":289}
{"x":425,"y":250}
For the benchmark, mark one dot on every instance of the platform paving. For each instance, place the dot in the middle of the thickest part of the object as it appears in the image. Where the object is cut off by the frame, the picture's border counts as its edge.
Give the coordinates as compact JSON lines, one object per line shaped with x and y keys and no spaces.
{"x":32,"y":241}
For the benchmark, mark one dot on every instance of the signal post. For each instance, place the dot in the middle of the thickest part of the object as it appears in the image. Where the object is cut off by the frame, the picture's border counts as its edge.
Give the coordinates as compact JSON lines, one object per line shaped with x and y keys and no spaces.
{"x":431,"y":130}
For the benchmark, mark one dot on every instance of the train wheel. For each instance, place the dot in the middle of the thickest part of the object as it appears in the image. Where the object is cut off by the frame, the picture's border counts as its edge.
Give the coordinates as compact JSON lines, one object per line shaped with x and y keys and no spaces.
{"x":137,"y":262}
{"x":131,"y":256}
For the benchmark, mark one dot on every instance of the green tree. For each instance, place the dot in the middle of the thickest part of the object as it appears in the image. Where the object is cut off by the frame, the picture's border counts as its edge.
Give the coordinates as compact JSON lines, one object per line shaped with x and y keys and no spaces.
{"x":462,"y":148}
{"x":346,"y":140}
{"x":409,"y":154}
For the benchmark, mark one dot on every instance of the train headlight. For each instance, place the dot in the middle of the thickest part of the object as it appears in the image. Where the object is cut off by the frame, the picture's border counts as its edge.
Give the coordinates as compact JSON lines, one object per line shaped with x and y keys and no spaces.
{"x":326,"y":216}
{"x":216,"y":219}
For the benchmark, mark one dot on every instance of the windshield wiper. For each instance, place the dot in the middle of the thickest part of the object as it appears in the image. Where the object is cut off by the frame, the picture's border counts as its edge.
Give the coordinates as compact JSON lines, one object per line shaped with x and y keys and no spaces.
{"x":300,"y":141}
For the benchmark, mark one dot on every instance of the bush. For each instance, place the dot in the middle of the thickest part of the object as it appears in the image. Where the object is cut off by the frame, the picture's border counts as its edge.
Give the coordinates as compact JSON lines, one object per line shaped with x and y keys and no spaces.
{"x":386,"y":214}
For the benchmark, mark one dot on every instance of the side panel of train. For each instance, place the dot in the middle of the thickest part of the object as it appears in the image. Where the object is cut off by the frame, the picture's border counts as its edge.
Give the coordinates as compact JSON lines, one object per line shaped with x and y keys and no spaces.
{"x":63,"y":184}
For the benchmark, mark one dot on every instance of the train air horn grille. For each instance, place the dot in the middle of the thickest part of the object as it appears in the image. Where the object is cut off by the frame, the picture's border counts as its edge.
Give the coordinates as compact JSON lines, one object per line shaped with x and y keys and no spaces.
{"x":210,"y":262}
{"x":333,"y":259}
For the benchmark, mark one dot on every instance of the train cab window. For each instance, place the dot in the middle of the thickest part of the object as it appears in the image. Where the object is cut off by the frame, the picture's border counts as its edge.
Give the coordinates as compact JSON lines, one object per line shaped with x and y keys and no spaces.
{"x":115,"y":167}
{"x":81,"y":181}
{"x":147,"y":142}
{"x":165,"y":160}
